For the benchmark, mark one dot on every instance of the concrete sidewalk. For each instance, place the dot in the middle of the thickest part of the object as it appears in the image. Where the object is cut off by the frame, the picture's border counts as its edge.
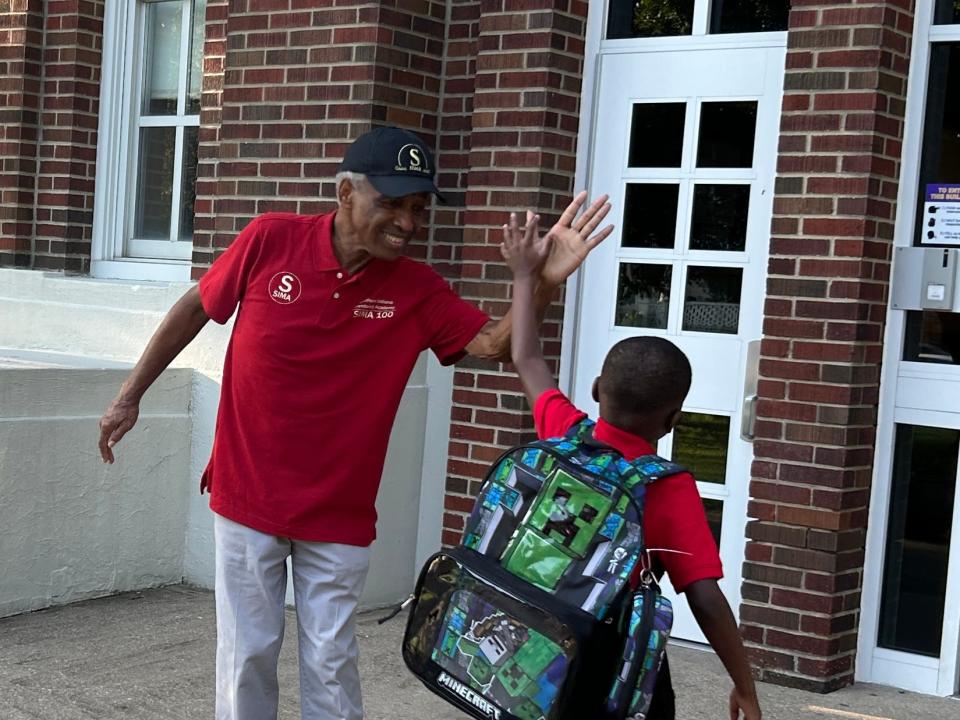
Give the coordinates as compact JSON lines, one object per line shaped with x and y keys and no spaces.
{"x":150,"y":655}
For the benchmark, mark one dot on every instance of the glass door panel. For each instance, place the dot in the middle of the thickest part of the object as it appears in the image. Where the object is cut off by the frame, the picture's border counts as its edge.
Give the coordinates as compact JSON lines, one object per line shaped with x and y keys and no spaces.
{"x":727,"y":132}
{"x":650,"y":215}
{"x":947,"y":12}
{"x":643,"y":295}
{"x":712,"y":299}
{"x":719,"y":217}
{"x":714,"y":510}
{"x":933,"y":336}
{"x":741,"y":16}
{"x":700,"y":443}
{"x":649,"y":18}
{"x":656,"y":134}
{"x":918,"y":539}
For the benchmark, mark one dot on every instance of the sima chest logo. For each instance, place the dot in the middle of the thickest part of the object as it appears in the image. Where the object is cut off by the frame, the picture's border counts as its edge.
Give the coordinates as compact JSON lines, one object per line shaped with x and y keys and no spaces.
{"x":284,"y":288}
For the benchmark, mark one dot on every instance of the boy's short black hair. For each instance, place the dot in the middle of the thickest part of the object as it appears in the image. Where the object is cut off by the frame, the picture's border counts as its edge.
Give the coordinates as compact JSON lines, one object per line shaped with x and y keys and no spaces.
{"x":645,"y":374}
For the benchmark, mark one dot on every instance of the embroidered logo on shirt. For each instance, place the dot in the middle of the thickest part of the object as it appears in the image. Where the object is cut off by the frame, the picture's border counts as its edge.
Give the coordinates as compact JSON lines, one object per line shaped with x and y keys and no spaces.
{"x":373,"y":309}
{"x":284,"y":288}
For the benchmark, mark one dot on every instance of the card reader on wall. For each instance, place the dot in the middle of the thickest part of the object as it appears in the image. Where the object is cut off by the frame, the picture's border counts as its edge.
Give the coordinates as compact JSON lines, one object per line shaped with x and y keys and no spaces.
{"x":925,"y":279}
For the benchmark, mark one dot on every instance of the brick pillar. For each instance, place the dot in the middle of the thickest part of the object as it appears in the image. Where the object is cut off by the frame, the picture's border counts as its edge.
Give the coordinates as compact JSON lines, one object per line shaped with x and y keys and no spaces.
{"x":522,"y":146}
{"x":453,"y":136}
{"x":832,"y":230}
{"x":208,"y":149}
{"x":21,"y":41}
{"x":67,"y":151}
{"x":300,"y":80}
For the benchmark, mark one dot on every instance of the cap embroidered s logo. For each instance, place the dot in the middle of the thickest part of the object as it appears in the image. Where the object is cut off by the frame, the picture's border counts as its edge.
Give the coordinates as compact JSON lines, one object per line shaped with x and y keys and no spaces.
{"x":284,"y":288}
{"x":411,"y":158}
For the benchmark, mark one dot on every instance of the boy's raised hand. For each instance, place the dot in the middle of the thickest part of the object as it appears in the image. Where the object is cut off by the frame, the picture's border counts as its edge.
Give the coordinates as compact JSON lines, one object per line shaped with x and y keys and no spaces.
{"x":523,"y":249}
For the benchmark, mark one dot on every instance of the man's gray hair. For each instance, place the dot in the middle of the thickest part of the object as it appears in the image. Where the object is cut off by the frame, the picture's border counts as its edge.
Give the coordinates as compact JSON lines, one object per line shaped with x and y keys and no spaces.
{"x":356,"y":179}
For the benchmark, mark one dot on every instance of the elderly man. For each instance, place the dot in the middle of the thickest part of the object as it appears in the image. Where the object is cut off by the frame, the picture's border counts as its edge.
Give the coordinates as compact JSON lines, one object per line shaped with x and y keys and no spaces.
{"x":331,"y":318}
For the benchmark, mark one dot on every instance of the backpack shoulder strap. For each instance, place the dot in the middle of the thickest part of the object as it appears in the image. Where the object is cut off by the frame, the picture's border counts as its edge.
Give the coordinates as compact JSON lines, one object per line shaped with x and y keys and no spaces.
{"x":580,"y":431}
{"x":653,"y":467}
{"x":646,"y":469}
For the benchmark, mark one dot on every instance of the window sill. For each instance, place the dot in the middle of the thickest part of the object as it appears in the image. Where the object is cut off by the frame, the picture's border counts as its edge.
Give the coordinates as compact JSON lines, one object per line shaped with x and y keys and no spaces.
{"x":170,"y":271}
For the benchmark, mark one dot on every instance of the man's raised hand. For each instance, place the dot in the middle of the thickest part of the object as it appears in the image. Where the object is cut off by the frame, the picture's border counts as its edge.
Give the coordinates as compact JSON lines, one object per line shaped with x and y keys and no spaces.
{"x":572,"y":238}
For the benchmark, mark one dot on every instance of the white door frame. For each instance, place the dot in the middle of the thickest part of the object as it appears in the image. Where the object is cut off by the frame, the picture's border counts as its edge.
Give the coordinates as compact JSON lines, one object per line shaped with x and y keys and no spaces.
{"x":900,"y":384}
{"x":596,"y":47}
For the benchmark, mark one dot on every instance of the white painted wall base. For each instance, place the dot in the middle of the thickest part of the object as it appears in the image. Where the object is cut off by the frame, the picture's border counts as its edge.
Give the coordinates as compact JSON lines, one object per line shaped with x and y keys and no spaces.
{"x":72,"y":527}
{"x":45,"y":317}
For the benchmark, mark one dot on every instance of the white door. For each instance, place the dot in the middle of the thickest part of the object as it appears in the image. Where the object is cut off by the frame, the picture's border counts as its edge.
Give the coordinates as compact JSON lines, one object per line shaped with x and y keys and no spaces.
{"x":684,"y":142}
{"x":910,"y":623}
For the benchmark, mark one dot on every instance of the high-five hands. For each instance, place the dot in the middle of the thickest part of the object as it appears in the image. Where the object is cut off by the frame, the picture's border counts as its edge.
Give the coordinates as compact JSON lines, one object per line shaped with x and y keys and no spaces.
{"x":523,"y":249}
{"x":572,"y":238}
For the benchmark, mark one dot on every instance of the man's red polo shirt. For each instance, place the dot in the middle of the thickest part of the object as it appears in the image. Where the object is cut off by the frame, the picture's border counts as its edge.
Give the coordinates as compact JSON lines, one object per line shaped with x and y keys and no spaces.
{"x":313,"y":375}
{"x":673,"y":517}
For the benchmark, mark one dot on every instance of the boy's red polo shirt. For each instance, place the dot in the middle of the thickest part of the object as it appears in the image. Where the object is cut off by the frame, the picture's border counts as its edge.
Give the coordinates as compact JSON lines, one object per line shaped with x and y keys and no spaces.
{"x":313,"y":375}
{"x":673,"y":517}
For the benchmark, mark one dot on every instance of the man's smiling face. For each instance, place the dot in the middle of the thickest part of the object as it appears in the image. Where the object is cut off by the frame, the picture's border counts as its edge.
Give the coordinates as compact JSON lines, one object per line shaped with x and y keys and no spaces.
{"x":384,"y":225}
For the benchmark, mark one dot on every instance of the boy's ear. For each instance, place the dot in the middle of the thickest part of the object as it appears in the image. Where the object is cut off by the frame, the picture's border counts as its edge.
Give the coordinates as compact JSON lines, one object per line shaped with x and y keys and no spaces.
{"x":595,"y":390}
{"x":673,"y":418}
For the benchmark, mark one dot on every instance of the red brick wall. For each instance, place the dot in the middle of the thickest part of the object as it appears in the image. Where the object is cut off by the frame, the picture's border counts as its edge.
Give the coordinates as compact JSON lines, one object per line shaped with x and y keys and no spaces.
{"x":51,"y":83}
{"x":299,"y":81}
{"x":519,"y":153}
{"x":21,"y":41}
{"x":832,"y":230}
{"x":67,"y":152}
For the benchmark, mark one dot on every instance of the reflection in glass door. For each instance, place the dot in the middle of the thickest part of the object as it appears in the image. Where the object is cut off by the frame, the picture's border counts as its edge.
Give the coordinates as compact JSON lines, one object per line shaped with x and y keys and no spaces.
{"x":918,"y":539}
{"x":687,"y":157}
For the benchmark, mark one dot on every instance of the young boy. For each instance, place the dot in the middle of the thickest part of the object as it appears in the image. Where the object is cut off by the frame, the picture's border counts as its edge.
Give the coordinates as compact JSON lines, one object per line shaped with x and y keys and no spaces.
{"x":641,"y":389}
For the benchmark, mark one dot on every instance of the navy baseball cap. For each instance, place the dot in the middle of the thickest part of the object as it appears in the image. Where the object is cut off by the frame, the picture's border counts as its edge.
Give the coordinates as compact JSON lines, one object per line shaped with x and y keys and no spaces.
{"x":395,"y":161}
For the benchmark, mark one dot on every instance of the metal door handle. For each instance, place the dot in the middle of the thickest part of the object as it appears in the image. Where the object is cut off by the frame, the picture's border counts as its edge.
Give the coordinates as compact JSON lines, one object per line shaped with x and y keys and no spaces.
{"x":748,"y":418}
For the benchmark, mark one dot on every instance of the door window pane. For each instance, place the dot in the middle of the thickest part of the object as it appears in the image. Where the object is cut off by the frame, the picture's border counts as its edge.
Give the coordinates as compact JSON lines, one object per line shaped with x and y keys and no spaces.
{"x":719,"y":217}
{"x":650,"y":215}
{"x":162,"y":56}
{"x":714,"y":510}
{"x":932,"y":336}
{"x":643,"y":295}
{"x":155,"y":183}
{"x":918,"y":539}
{"x":726,"y":134}
{"x":947,"y":12}
{"x":700,"y":443}
{"x":195,"y":76}
{"x":649,"y":18}
{"x":656,"y":134}
{"x":740,"y":16}
{"x":188,"y":182}
{"x":712,"y":300}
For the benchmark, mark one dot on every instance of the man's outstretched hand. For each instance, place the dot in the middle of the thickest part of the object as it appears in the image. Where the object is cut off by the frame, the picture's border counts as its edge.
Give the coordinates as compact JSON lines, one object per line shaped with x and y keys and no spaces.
{"x":572,"y":238}
{"x":116,"y":421}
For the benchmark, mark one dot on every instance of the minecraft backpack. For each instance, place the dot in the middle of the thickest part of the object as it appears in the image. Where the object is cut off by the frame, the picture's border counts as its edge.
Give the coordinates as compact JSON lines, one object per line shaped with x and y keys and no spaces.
{"x":548,"y":609}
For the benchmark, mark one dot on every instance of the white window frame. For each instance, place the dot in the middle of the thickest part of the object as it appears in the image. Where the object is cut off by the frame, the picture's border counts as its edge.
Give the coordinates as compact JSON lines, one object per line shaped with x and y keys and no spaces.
{"x":115,"y":253}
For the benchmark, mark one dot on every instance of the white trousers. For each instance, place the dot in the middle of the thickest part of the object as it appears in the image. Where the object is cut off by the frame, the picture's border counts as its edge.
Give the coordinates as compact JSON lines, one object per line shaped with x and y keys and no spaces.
{"x":251,"y":583}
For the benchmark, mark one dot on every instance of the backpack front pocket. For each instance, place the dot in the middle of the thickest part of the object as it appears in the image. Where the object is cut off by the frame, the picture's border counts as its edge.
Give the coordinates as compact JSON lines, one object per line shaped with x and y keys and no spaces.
{"x":490,"y":650}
